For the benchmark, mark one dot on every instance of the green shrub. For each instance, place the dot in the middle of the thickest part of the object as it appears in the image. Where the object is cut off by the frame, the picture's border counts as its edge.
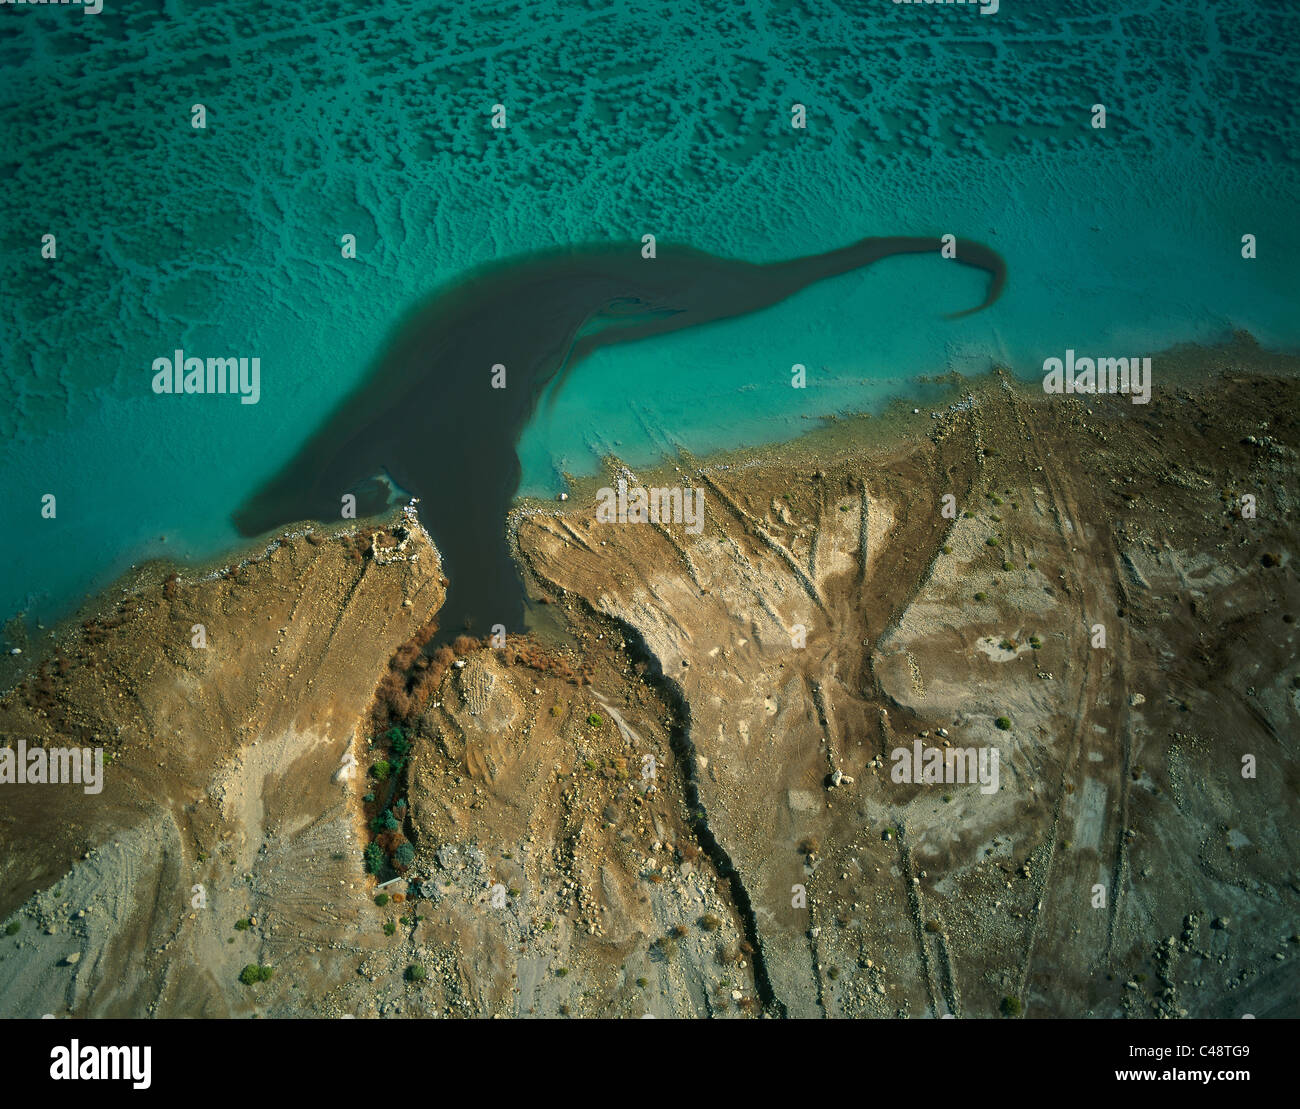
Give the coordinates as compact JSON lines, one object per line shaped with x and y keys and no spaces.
{"x":642,"y":983}
{"x":981,"y":596}
{"x":243,"y":925}
{"x":381,"y":770}
{"x":1004,"y":723}
{"x":594,"y":720}
{"x":389,"y":927}
{"x":991,"y":541}
{"x":11,"y":929}
{"x":384,"y":822}
{"x":381,"y":899}
{"x":562,"y":972}
{"x":416,"y":973}
{"x":375,"y":859}
{"x":1011,"y":1006}
{"x":404,"y":855}
{"x":253,"y":973}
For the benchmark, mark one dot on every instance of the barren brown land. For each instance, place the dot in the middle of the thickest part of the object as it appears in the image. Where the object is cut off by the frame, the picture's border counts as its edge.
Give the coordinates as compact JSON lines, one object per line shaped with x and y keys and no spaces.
{"x":683,"y":802}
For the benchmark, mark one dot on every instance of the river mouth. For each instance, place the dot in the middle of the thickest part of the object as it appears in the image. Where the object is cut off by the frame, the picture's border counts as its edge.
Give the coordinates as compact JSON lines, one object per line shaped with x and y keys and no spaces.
{"x":441,"y":414}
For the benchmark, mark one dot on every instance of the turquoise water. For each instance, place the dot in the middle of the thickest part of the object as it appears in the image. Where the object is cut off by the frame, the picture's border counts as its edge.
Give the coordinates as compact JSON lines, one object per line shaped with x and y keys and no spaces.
{"x":336,"y":118}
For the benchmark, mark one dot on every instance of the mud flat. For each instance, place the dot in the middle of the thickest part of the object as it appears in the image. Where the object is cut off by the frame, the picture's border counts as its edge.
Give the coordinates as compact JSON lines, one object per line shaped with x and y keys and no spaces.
{"x":680,"y":799}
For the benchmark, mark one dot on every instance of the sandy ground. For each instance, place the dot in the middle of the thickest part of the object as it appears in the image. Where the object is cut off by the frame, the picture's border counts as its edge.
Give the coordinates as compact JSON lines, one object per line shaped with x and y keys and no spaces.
{"x":830,"y":613}
{"x":1091,"y":881}
{"x":218,"y":800}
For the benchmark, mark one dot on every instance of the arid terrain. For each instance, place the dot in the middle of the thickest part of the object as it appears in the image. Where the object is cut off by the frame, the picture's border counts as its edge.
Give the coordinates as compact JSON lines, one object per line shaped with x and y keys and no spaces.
{"x":674,"y":796}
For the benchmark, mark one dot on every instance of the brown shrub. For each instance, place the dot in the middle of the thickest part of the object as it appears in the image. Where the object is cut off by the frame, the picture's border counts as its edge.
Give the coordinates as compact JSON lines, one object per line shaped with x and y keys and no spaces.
{"x":405,"y":656}
{"x":390,"y":841}
{"x":403,"y":692}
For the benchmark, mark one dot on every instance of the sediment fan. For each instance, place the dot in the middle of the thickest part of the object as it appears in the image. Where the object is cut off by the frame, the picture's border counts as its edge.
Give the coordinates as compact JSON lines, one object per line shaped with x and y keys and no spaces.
{"x":463,"y":375}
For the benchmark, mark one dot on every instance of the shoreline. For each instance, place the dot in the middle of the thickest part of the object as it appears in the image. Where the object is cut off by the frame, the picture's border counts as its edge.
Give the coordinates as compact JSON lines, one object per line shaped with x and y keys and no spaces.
{"x":1187,"y":367}
{"x":829,"y":613}
{"x":145,"y":577}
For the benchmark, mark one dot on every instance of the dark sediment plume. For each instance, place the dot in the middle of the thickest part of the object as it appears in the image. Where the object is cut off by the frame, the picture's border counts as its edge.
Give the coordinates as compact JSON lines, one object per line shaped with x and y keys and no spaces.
{"x":429,"y":418}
